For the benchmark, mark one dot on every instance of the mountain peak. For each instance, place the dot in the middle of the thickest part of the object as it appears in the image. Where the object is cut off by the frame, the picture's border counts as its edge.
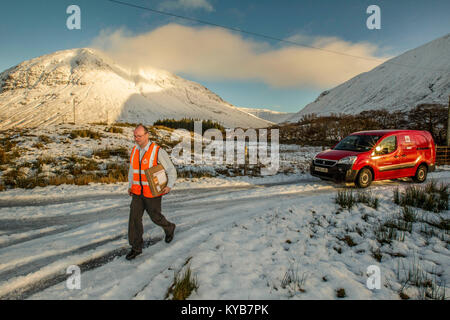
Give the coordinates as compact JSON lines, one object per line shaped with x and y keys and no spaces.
{"x":85,"y":85}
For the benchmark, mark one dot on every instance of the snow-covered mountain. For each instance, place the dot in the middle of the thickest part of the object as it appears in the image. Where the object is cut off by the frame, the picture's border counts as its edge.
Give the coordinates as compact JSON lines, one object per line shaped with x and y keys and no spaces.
{"x":269,"y":115}
{"x":421,"y":75}
{"x":85,"y":85}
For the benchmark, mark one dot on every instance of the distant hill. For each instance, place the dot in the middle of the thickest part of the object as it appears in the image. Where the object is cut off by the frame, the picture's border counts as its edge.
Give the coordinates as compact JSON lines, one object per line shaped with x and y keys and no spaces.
{"x":269,"y":115}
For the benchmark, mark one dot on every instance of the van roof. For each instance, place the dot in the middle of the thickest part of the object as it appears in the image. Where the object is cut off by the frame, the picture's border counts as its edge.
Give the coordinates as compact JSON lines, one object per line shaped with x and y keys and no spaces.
{"x":383,"y":132}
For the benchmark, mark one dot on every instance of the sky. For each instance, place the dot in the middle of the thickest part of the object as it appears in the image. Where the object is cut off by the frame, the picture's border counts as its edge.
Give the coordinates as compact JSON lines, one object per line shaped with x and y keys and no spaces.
{"x":326,"y":42}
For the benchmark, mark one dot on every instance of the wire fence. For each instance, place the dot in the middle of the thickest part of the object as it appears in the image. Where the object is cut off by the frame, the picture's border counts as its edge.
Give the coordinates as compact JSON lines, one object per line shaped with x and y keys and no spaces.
{"x":442,"y":155}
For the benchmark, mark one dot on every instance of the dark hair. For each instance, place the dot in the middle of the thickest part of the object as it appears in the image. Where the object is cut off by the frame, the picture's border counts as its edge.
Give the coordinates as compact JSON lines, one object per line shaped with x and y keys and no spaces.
{"x":142,"y":126}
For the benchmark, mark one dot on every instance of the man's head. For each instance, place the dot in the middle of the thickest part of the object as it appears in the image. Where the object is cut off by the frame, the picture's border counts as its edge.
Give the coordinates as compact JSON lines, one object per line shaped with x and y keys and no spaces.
{"x":141,"y":135}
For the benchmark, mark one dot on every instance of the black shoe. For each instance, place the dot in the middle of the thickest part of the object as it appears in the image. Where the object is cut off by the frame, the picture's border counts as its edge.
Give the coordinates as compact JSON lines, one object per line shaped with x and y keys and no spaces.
{"x":132,"y":254}
{"x":169,"y":236}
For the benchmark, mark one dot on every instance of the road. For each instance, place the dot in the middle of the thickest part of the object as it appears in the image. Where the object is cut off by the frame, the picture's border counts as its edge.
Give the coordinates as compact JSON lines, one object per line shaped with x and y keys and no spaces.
{"x":91,"y":232}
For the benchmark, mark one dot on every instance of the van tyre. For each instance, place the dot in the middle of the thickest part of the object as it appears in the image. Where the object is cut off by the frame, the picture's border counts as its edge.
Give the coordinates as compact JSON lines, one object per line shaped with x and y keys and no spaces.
{"x":421,"y":174}
{"x":364,"y":178}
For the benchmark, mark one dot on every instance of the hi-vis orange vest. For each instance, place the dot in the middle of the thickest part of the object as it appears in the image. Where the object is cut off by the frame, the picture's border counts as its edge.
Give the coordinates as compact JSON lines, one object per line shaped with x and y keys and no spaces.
{"x":149,"y":159}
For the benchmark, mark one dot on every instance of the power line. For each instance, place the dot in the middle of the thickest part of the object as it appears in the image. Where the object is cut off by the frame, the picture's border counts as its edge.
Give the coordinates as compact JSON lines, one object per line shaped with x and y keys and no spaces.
{"x":263,"y":35}
{"x":240,"y":30}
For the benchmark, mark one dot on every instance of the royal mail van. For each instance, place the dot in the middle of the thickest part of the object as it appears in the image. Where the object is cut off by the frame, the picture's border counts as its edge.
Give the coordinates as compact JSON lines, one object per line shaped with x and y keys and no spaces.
{"x":365,"y":156}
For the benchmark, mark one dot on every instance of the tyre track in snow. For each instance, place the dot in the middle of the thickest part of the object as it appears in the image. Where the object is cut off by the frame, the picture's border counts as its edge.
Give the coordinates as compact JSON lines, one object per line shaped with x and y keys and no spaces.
{"x":76,"y":220}
{"x":176,"y":193}
{"x":202,"y":214}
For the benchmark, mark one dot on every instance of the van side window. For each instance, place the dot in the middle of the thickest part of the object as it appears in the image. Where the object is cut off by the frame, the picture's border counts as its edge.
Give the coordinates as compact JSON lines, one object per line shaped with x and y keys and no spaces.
{"x":386,"y":146}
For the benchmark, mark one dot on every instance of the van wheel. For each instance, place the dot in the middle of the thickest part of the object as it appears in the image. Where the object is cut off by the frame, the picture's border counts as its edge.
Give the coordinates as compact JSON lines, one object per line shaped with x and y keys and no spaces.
{"x":421,"y":174}
{"x":364,"y":178}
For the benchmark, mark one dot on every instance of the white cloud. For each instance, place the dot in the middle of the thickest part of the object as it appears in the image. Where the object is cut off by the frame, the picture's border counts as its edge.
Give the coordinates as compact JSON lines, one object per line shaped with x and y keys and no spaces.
{"x":216,"y":53}
{"x":186,"y":4}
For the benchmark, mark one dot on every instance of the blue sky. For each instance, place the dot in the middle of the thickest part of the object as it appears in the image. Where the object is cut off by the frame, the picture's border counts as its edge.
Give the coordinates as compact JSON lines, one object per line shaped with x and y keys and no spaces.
{"x":30,"y":28}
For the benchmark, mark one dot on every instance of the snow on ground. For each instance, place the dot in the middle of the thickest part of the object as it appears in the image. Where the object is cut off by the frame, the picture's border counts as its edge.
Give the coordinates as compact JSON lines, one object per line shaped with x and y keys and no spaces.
{"x":244,"y":237}
{"x":277,"y":237}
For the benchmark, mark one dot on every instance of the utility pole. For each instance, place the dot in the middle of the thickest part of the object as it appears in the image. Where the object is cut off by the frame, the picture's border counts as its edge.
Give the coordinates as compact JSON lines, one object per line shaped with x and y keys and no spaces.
{"x":448,"y":123}
{"x":74,"y":111}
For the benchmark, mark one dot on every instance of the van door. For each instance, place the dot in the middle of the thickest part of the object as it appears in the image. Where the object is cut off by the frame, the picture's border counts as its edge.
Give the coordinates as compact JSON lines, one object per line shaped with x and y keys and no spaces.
{"x":409,"y":154}
{"x":386,"y":157}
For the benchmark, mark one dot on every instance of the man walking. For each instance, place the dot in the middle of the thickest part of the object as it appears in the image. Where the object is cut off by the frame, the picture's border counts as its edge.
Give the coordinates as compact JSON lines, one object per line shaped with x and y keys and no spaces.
{"x":146,"y":154}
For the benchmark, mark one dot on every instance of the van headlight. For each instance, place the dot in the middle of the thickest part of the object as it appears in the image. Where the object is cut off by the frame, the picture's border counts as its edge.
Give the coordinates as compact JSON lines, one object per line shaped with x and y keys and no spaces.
{"x":347,"y":160}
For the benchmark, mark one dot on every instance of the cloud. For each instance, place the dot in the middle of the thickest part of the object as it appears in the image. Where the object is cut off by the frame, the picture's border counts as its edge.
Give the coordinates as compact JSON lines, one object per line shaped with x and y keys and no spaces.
{"x":186,"y":4}
{"x":218,"y":54}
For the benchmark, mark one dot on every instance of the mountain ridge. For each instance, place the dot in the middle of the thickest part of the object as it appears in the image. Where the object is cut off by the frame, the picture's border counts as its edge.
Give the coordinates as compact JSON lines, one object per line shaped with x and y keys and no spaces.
{"x":84,"y":85}
{"x":418,"y":76}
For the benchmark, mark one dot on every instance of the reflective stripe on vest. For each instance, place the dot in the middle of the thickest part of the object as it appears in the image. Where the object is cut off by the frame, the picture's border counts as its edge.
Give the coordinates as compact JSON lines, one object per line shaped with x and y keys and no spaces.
{"x":149,"y":160}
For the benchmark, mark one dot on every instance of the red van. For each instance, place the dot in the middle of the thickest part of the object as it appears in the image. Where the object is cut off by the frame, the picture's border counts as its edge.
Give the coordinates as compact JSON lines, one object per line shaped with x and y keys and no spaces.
{"x":377,"y":155}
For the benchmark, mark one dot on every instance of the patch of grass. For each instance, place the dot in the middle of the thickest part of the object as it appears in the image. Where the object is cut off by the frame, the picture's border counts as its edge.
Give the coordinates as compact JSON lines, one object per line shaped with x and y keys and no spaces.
{"x":194,"y":172}
{"x":164,"y":128}
{"x":429,"y":197}
{"x":429,"y":287}
{"x":347,"y":199}
{"x":32,"y":182}
{"x":83,"y":172}
{"x":293,"y":281}
{"x":349,"y":241}
{"x":38,"y":145}
{"x":43,"y":160}
{"x":398,"y":224}
{"x":79,"y":180}
{"x":117,"y":172}
{"x":8,"y":150}
{"x":340,"y":293}
{"x":107,"y":153}
{"x":45,"y":139}
{"x":188,"y":124}
{"x":409,"y":215}
{"x":16,"y":178}
{"x":368,"y":199}
{"x":114,"y":129}
{"x":4,"y":157}
{"x":125,"y":124}
{"x":85,"y":133}
{"x":183,"y":286}
{"x":11,"y":177}
{"x":386,"y":234}
{"x":338,"y":250}
{"x":7,"y":144}
{"x":90,"y":165}
{"x":377,"y":255}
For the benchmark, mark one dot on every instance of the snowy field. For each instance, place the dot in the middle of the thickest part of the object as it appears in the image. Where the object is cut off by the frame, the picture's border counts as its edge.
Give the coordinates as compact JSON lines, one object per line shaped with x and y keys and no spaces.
{"x":275,"y":237}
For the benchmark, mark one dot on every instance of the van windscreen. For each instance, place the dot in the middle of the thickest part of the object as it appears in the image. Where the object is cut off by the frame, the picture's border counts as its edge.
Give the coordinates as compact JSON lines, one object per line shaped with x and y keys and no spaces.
{"x":359,"y":143}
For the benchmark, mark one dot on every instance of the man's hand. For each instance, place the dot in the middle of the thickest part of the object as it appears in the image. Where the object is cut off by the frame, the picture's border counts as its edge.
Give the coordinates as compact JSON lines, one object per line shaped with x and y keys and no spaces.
{"x":166,"y":190}
{"x":129,"y":192}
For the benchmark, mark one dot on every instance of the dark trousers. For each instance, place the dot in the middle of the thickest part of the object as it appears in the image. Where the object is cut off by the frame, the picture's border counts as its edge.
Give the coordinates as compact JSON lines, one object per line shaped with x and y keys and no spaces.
{"x":135,"y":227}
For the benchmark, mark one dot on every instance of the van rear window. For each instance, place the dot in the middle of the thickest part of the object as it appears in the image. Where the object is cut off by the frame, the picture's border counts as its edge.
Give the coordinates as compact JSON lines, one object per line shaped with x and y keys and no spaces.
{"x":360,"y":143}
